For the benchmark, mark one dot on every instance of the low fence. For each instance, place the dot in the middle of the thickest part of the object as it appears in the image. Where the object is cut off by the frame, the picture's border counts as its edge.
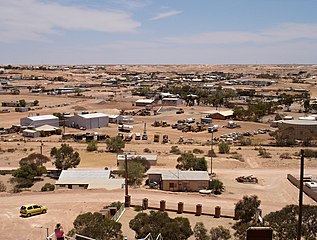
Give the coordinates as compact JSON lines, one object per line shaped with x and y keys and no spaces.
{"x":308,"y":191}
{"x":179,"y":208}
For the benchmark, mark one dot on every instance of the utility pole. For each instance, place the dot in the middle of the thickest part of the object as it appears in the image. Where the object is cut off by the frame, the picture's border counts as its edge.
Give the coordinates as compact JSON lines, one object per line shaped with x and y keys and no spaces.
{"x":127,"y":198}
{"x":301,"y":186}
{"x":212,"y":151}
{"x":41,"y":147}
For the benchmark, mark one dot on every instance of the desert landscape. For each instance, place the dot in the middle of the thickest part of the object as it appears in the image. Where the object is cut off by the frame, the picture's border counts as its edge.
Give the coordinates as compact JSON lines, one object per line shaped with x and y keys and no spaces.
{"x":111,"y":90}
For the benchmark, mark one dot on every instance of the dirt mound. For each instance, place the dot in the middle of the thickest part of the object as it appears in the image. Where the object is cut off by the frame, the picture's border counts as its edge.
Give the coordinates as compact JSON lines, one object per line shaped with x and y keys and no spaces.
{"x":79,"y":108}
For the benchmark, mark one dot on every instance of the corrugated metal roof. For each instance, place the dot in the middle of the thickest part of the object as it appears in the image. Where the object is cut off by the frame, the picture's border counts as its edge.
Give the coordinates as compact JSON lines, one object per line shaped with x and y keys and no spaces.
{"x":130,"y":156}
{"x":93,"y":115}
{"x":46,"y":127}
{"x":42,"y":117}
{"x":300,"y":122}
{"x":144,"y":100}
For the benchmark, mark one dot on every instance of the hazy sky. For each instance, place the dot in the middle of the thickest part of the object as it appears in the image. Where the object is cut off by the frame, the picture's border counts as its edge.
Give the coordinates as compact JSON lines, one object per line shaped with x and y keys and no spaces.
{"x":157,"y":31}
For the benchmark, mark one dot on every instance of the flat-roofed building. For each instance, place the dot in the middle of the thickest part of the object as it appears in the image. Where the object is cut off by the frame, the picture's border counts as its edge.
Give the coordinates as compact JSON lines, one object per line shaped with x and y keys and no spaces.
{"x":87,"y":179}
{"x":177,"y":181}
{"x":89,"y":121}
{"x":38,"y":121}
{"x":144,"y":102}
{"x":149,"y":157}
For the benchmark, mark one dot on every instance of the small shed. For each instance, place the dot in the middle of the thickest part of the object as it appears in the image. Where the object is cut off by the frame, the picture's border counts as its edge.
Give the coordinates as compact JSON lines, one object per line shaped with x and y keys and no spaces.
{"x":149,"y":157}
{"x":144,"y":102}
{"x":30,"y":133}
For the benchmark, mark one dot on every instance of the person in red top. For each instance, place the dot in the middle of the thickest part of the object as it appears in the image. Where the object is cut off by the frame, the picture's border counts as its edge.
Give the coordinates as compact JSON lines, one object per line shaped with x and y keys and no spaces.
{"x":59,"y":233}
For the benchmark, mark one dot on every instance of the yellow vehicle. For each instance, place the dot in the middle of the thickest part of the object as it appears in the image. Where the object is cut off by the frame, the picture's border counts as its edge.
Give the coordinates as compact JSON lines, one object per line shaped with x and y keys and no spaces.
{"x":32,"y":209}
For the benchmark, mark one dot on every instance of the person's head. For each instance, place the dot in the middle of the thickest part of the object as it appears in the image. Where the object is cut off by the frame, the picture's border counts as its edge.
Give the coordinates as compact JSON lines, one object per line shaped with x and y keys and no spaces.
{"x":58,"y":225}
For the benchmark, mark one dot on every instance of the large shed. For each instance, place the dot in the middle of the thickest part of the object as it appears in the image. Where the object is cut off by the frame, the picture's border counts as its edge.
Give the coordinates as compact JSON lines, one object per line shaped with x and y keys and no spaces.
{"x":89,"y":121}
{"x":298,"y":129}
{"x":149,"y":157}
{"x":38,"y":121}
{"x":215,"y":114}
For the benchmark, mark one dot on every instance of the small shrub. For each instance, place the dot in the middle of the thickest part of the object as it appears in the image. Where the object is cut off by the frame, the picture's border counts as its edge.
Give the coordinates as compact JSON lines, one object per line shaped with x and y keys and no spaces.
{"x":25,"y":149}
{"x":237,"y":156}
{"x":198,"y":151}
{"x":16,"y":189}
{"x":211,"y":153}
{"x":263,"y":153}
{"x":117,"y":204}
{"x":48,"y":187}
{"x":31,"y":149}
{"x":11,"y":150}
{"x":175,"y":150}
{"x":224,"y":148}
{"x":310,"y":153}
{"x":92,"y":146}
{"x":138,"y":208}
{"x":246,"y":142}
{"x":147,"y":150}
{"x":286,"y":156}
{"x":3,"y":187}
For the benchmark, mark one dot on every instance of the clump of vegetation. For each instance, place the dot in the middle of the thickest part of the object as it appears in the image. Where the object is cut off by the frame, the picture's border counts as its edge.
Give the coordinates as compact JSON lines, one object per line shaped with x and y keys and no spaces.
{"x":246,"y":142}
{"x":198,"y":151}
{"x":11,"y":150}
{"x":92,"y":146}
{"x":117,"y":204}
{"x":138,"y":208}
{"x":237,"y":156}
{"x":3,"y":187}
{"x":264,"y":153}
{"x":286,"y":156}
{"x":175,"y":150}
{"x":48,"y":187}
{"x":188,"y":161}
{"x":147,"y":150}
{"x":224,"y":148}
{"x":216,"y":186}
{"x":310,"y":153}
{"x":211,"y":153}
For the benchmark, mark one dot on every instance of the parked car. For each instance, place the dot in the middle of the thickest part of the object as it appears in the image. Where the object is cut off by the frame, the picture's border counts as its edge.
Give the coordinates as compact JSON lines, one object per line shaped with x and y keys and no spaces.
{"x":32,"y":209}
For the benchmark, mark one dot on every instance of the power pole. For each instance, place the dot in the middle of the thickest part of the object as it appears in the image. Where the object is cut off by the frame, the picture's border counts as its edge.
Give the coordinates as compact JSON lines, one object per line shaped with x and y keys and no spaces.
{"x":212,"y":151}
{"x":41,"y":147}
{"x":301,"y":186}
{"x":127,"y":198}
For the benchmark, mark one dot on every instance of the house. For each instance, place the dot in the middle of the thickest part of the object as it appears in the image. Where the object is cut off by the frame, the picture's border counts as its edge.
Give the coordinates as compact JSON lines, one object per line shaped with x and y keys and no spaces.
{"x":120,"y":119}
{"x":144,"y":102}
{"x":176,"y":180}
{"x":151,"y":158}
{"x":172,"y":101}
{"x":38,"y":121}
{"x":89,"y":121}
{"x":88,"y":179}
{"x":222,"y":115}
{"x":48,"y":130}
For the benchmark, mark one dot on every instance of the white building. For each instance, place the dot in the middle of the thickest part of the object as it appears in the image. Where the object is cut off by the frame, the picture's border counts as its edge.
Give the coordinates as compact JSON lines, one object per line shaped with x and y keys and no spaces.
{"x":144,"y":102}
{"x":149,"y":157}
{"x":87,"y":179}
{"x":88,"y":121}
{"x":38,"y":121}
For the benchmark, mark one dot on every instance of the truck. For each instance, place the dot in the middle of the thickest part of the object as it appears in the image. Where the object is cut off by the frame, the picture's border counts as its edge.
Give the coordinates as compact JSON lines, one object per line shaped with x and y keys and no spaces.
{"x":125,"y":128}
{"x":213,"y":128}
{"x":137,"y":136}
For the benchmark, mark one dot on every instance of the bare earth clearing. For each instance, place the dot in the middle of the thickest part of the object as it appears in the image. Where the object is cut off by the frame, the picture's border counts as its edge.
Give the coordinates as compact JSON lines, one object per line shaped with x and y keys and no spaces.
{"x":273,"y":189}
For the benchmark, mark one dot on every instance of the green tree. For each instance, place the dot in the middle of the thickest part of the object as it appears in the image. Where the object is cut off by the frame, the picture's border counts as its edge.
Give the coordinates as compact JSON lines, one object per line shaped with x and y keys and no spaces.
{"x":35,"y":161}
{"x":92,"y":146}
{"x":135,"y":172}
{"x":200,"y":232}
{"x":186,"y":161}
{"x":224,"y":147}
{"x":284,"y":222}
{"x":65,"y":157}
{"x":217,"y":186}
{"x":3,"y":187}
{"x":115,"y":144}
{"x":22,"y":103}
{"x":219,"y":233}
{"x":23,"y":177}
{"x":159,"y":222}
{"x":201,"y":164}
{"x":94,"y":225}
{"x":247,"y":207}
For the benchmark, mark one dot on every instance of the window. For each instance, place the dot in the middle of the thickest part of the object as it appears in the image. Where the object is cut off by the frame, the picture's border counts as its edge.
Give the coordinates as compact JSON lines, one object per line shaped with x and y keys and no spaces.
{"x":30,"y":208}
{"x":171,"y":185}
{"x":36,"y":206}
